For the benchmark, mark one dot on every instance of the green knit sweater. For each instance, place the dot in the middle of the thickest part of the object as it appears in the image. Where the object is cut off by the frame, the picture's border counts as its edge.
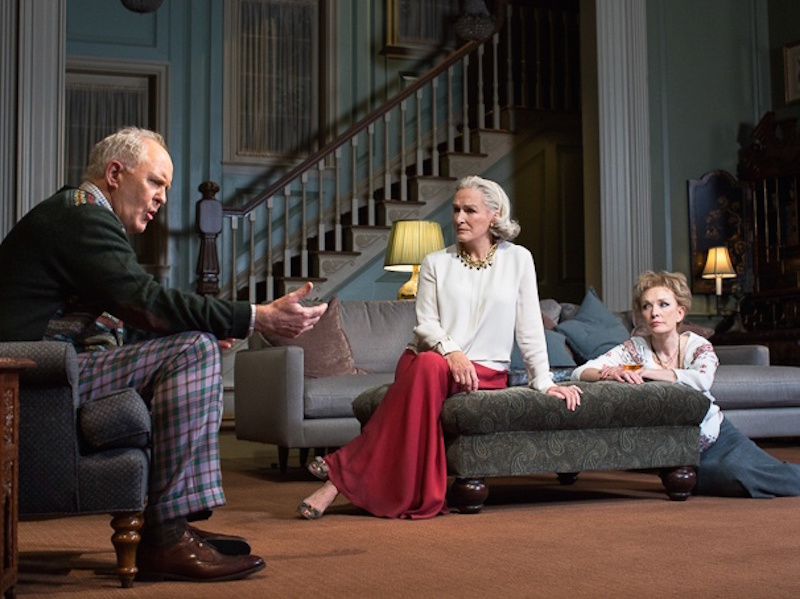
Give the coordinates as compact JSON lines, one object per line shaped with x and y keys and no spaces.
{"x":69,"y":252}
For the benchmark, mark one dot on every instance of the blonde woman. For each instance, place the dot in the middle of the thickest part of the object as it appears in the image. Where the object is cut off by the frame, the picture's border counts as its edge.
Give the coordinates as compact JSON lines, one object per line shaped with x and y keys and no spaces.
{"x":730,"y":463}
{"x":474,"y":297}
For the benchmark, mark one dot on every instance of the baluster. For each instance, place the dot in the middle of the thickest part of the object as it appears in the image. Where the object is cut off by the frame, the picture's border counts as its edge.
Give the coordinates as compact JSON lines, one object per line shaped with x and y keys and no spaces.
{"x":451,"y":120}
{"x":510,"y":70}
{"x":481,"y":100}
{"x":251,"y":270}
{"x":420,"y":170}
{"x":551,"y":18}
{"x":465,"y":104}
{"x":287,"y":250}
{"x":370,"y":175}
{"x":387,"y":175}
{"x":524,"y":46}
{"x":537,"y":57}
{"x":304,"y":226}
{"x":495,"y":82}
{"x":269,"y":275}
{"x":567,"y":61}
{"x":402,"y":126}
{"x":353,"y":181}
{"x":234,"y":241}
{"x":434,"y":128}
{"x":321,"y":209}
{"x":337,"y":223}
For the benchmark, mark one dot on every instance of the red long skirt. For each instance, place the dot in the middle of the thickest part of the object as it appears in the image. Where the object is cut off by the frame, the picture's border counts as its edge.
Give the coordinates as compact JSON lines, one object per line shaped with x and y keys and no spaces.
{"x":396,"y":467}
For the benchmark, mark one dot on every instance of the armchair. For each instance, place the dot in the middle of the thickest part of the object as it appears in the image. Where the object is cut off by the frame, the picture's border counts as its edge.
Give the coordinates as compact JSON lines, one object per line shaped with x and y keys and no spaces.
{"x":80,"y":460}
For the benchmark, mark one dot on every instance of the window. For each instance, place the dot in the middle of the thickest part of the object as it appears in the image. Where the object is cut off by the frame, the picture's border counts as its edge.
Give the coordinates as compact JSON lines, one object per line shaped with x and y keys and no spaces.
{"x":273,"y":79}
{"x":99,"y":100}
{"x":416,"y":27}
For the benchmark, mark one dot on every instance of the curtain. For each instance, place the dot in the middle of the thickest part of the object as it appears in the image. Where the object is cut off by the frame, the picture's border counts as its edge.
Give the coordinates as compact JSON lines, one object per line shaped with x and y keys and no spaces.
{"x":276,"y":77}
{"x":94,"y":111}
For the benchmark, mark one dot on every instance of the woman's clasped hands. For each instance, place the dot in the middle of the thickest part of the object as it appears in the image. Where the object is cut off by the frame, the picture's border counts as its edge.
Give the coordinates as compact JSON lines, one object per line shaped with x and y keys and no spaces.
{"x":622,"y":374}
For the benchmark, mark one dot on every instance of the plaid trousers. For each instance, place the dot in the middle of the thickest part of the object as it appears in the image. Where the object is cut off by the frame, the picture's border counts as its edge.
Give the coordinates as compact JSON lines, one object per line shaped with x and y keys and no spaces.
{"x":179,"y":376}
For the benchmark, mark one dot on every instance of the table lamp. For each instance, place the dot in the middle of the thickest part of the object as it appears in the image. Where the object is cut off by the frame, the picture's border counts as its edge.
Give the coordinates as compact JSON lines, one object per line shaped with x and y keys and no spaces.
{"x":718,"y":267}
{"x":409,"y":242}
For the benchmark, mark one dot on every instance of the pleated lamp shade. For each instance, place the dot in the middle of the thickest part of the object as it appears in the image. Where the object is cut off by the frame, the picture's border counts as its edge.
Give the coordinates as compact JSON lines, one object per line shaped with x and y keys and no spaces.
{"x":409,"y":242}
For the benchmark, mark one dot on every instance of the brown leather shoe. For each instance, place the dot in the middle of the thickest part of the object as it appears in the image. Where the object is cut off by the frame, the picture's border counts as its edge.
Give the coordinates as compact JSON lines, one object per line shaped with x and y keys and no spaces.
{"x":225,"y":544}
{"x":194,"y":560}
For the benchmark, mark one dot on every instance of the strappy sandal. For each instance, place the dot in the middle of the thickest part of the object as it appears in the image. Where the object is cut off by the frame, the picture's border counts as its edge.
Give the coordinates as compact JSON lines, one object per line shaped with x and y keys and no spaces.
{"x":308,"y":511}
{"x":318,"y":468}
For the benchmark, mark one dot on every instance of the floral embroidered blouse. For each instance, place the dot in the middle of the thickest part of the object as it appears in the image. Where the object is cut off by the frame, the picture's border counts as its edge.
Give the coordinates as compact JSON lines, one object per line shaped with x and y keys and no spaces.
{"x":699,"y":365}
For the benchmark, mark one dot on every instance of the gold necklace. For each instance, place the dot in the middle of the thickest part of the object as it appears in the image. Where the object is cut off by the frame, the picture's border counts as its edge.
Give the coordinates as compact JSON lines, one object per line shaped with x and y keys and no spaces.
{"x":478,"y":264}
{"x":669,"y":360}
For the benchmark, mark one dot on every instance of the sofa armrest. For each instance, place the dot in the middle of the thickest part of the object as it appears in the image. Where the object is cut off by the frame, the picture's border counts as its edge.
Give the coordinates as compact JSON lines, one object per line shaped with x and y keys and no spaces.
{"x":269,"y":388}
{"x":738,"y":355}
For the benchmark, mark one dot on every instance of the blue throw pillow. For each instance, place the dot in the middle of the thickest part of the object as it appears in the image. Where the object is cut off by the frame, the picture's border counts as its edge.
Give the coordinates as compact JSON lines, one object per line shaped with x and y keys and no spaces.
{"x":594,"y":329}
{"x":557,"y":351}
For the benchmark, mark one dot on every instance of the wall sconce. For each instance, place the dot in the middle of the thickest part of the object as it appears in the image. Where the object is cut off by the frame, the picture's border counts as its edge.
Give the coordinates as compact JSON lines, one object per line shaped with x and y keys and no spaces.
{"x":718,"y":267}
{"x":409,"y":242}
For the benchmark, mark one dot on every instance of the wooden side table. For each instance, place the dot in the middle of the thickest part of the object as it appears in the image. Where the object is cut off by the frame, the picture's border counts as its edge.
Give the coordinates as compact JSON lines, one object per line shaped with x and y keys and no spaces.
{"x":9,"y":469}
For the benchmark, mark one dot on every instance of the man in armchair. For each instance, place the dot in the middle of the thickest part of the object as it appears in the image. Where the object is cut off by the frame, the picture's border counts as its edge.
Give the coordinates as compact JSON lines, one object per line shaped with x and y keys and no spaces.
{"x":70,"y":274}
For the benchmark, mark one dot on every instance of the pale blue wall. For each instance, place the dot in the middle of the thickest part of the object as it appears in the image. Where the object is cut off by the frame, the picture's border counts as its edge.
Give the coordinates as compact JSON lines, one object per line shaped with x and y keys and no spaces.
{"x":186,"y":34}
{"x":709,"y":71}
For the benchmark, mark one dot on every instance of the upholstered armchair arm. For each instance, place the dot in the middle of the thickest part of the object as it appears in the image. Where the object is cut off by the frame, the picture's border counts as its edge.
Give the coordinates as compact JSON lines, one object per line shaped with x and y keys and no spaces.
{"x":738,"y":355}
{"x":269,"y":395}
{"x":48,"y":440}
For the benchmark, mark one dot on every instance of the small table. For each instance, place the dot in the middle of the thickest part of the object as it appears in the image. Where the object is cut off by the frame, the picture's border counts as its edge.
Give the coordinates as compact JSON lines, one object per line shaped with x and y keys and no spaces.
{"x":9,"y":469}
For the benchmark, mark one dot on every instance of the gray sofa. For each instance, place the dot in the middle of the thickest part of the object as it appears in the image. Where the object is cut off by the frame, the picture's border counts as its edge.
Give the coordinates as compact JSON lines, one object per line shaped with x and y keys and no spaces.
{"x":277,"y":404}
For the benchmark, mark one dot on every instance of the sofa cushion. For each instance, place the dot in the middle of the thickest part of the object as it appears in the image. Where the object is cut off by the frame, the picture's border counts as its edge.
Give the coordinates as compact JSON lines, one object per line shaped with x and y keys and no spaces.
{"x":594,"y":329}
{"x":378,"y":331}
{"x":119,"y":419}
{"x":745,"y":386}
{"x":332,"y":396}
{"x":551,"y":309}
{"x":326,"y":350}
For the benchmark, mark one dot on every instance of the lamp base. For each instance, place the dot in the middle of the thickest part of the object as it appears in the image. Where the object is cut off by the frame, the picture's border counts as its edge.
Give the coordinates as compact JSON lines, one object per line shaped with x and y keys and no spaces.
{"x":409,"y":289}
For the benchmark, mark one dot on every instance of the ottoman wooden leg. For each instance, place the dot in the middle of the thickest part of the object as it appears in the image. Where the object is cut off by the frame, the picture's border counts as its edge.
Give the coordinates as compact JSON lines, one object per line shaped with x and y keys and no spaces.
{"x":567,"y":478}
{"x":679,"y":482}
{"x":468,"y":495}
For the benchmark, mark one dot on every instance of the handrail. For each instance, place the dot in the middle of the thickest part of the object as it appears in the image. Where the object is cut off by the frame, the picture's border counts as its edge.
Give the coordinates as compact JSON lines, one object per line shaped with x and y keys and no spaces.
{"x":330,"y":147}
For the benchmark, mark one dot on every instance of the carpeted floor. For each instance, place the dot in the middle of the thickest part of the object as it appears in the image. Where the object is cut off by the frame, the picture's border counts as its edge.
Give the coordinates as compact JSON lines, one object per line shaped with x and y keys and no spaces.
{"x":612,"y":534}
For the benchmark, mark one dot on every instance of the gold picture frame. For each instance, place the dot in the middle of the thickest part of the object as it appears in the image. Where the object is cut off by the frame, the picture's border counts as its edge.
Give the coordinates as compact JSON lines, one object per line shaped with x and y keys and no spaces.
{"x":791,"y":72}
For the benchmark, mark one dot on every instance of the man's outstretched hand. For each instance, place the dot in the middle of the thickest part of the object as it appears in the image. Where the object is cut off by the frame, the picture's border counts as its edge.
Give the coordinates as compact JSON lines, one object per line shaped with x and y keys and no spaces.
{"x":287,"y":316}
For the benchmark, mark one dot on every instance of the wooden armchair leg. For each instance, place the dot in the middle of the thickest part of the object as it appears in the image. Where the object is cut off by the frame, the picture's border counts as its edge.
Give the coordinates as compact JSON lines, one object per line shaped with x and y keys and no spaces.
{"x":126,"y":539}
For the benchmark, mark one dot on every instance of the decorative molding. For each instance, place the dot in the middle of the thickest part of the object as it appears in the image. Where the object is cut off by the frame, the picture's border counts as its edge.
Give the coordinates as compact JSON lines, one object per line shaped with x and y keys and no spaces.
{"x":40,"y":108}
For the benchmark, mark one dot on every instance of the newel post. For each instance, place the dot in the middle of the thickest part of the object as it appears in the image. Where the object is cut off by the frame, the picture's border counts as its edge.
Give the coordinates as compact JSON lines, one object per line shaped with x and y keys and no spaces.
{"x":209,"y":225}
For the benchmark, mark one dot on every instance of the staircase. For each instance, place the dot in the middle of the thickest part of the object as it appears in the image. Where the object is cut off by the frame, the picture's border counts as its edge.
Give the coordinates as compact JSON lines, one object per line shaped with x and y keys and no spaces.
{"x":329,"y":218}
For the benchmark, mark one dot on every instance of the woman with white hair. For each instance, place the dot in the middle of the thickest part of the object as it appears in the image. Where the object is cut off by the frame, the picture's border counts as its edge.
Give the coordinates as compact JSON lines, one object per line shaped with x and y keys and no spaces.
{"x":474,"y":299}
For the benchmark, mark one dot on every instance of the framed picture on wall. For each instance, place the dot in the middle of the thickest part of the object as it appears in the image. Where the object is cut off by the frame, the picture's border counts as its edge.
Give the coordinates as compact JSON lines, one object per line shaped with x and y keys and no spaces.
{"x":791,"y":72}
{"x":717,"y":218}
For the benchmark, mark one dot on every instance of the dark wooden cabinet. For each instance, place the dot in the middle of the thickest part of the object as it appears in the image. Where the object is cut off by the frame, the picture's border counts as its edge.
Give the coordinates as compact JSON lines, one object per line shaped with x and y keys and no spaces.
{"x":769,"y":172}
{"x":9,"y":442}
